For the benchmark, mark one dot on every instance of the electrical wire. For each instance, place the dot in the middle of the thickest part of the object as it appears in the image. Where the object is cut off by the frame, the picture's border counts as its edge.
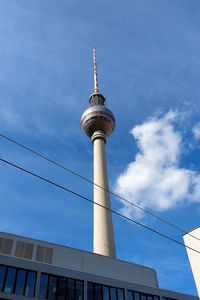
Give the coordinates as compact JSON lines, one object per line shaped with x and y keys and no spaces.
{"x":95,"y":203}
{"x":95,"y":184}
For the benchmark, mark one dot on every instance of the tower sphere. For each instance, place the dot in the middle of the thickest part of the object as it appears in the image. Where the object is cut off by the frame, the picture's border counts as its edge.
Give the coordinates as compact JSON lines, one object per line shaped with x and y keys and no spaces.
{"x":97,"y":117}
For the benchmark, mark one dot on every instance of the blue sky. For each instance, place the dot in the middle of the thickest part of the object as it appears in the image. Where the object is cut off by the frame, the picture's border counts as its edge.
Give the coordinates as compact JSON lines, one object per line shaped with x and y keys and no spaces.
{"x":149,"y":66}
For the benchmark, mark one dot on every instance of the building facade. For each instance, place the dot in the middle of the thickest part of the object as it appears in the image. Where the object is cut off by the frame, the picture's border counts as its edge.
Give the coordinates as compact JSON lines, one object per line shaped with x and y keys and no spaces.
{"x":192,"y":240}
{"x":33,"y":269}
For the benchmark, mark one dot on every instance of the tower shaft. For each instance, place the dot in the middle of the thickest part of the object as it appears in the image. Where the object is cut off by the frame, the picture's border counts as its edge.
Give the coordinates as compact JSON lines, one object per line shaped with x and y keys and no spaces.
{"x":103,"y":235}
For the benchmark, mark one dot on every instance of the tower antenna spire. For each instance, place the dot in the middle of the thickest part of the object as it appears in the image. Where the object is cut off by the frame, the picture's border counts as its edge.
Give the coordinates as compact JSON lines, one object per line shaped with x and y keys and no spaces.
{"x":96,"y":86}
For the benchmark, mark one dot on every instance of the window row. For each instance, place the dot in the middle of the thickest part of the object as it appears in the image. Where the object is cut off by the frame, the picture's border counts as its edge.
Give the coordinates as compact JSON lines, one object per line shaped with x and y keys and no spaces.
{"x":131,"y":295}
{"x":141,"y":296}
{"x":17,"y":281}
{"x":60,"y":288}
{"x":22,"y":282}
{"x":102,"y":292}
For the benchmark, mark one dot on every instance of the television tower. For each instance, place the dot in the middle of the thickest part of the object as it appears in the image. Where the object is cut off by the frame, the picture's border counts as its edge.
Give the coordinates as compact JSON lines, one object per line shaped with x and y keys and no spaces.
{"x":98,"y":123}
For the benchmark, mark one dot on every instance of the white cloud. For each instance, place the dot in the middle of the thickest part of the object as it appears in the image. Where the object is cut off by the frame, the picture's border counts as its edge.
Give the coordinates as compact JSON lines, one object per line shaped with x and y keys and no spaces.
{"x":196,"y":131}
{"x":155,"y":180}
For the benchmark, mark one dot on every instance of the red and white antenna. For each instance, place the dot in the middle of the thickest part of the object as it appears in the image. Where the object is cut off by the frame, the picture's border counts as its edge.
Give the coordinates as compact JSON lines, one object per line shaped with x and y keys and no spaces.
{"x":96,"y":87}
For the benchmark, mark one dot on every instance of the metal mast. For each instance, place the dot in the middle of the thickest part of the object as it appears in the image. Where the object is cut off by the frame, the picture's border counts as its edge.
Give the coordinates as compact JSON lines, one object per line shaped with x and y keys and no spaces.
{"x":96,"y":86}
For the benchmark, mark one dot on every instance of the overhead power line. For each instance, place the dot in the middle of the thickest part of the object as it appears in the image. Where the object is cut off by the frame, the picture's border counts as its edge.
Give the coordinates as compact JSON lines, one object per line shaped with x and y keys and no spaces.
{"x":95,"y":184}
{"x":95,"y":203}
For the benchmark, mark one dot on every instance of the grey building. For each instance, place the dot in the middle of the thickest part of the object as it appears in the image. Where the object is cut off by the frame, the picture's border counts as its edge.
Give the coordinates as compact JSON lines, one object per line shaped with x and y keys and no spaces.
{"x":33,"y":269}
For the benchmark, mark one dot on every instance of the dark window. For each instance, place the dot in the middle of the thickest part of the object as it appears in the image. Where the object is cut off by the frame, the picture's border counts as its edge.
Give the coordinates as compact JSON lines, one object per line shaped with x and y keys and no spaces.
{"x":10,"y":280}
{"x":20,"y":283}
{"x":52,"y":287}
{"x":129,"y":295}
{"x":103,"y":292}
{"x":17,"y":281}
{"x":166,"y":298}
{"x":90,"y":291}
{"x":142,"y":296}
{"x":60,"y":288}
{"x":136,"y":296}
{"x":120,"y":294}
{"x":79,"y":290}
{"x":113,"y":295}
{"x":61,"y":292}
{"x":43,"y":286}
{"x":70,"y":289}
{"x":98,"y":292}
{"x":2,"y":276}
{"x":30,"y":284}
{"x":106,"y":293}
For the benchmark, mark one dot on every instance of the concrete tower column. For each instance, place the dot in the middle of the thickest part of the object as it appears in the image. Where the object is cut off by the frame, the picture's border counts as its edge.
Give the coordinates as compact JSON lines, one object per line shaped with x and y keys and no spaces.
{"x":103,"y":236}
